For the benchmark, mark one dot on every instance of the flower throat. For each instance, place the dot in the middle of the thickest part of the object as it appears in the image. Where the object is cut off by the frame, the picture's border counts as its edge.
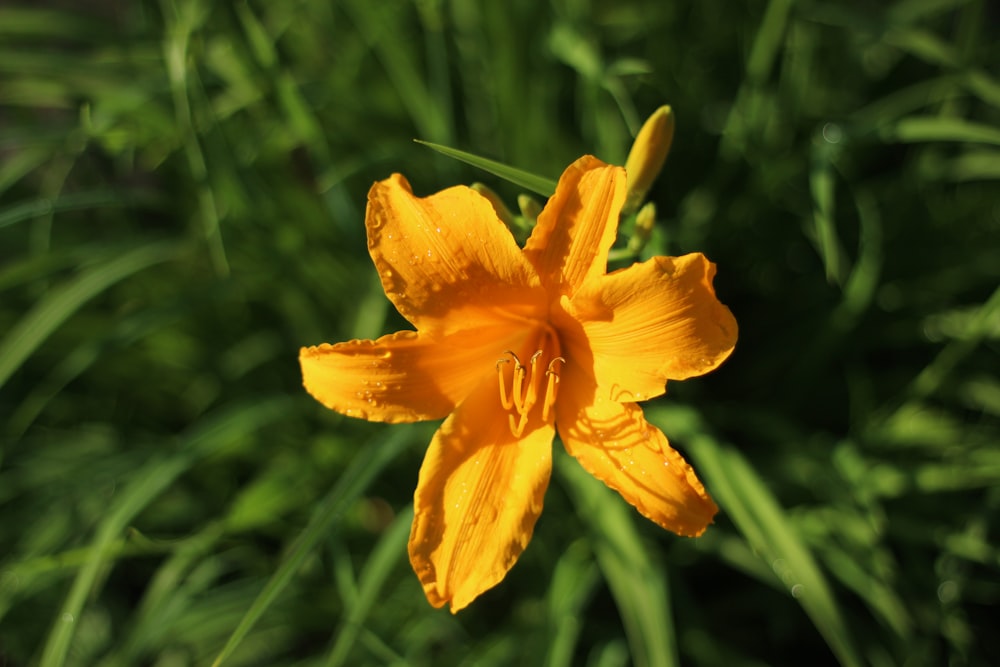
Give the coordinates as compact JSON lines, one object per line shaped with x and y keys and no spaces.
{"x":530,"y":384}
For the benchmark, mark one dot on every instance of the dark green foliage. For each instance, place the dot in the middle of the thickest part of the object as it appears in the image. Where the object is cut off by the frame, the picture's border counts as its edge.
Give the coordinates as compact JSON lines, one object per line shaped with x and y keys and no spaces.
{"x":182,"y":192}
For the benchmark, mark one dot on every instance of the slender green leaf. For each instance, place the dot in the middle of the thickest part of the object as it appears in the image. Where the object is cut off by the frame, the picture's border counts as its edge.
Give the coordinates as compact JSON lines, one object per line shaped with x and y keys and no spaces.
{"x":67,"y":202}
{"x":378,"y":566}
{"x":574,"y":579}
{"x":743,"y":495}
{"x":61,"y":302}
{"x":918,"y":129}
{"x":370,"y":460}
{"x":149,"y":482}
{"x":637,"y":582}
{"x":527,"y":180}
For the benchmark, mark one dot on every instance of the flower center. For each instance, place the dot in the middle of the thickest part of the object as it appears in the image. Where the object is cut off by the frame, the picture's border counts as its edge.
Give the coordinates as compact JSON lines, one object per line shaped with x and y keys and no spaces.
{"x":531,"y":384}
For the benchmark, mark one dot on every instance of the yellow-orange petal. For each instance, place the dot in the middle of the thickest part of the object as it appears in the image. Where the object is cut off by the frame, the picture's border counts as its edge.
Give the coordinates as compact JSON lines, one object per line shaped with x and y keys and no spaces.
{"x":406,"y":376}
{"x":477,"y":500}
{"x":652,"y":322}
{"x":577,"y":227}
{"x":446,"y":261}
{"x":614,"y":442}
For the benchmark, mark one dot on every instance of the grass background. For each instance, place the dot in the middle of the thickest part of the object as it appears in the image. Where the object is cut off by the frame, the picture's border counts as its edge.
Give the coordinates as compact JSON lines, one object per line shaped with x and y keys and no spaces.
{"x":182,"y":190}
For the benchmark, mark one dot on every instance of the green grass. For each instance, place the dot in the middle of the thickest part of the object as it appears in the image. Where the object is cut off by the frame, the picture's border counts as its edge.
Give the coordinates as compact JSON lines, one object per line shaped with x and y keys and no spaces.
{"x":182,"y":192}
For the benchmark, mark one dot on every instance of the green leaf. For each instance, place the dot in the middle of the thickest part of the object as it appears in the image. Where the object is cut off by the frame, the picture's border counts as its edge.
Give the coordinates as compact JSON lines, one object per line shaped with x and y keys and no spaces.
{"x":743,"y":495}
{"x":637,"y":582}
{"x":363,"y":469}
{"x":378,"y":566}
{"x":145,"y":485}
{"x":538,"y":184}
{"x":61,"y":302}
{"x":917,"y":129}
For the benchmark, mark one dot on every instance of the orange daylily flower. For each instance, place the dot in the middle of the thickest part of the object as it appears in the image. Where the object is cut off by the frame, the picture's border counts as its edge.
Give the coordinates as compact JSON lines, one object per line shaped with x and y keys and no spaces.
{"x":513,"y":345}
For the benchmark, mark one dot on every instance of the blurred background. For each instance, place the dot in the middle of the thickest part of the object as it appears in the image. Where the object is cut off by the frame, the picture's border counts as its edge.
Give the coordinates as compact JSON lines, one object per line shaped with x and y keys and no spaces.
{"x":182,"y":192}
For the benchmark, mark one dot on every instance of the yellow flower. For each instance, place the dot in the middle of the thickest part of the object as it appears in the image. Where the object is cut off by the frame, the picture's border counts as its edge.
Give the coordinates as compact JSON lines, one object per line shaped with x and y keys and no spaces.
{"x":512,"y":345}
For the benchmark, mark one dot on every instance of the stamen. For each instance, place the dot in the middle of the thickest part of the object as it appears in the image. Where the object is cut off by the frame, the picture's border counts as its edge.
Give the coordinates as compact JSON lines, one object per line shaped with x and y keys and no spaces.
{"x":519,"y":373}
{"x":517,"y":429}
{"x":550,"y":388}
{"x":505,"y":400}
{"x":524,"y":389}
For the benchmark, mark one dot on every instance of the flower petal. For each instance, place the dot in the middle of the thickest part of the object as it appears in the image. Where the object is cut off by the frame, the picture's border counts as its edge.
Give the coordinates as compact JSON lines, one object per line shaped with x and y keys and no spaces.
{"x":652,"y":322}
{"x":479,"y":495}
{"x":577,"y":227}
{"x":614,"y":442}
{"x":441,"y":258}
{"x":406,"y":376}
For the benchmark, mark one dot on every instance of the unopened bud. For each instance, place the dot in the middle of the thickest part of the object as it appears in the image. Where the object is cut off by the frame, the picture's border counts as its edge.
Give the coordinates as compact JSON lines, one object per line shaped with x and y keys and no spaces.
{"x":646,"y":158}
{"x":645,"y":220}
{"x":530,"y":208}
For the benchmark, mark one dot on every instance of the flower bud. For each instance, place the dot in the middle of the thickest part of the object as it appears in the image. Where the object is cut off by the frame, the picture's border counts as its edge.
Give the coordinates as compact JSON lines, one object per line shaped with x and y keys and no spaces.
{"x":645,"y":220}
{"x":646,"y":158}
{"x":530,"y":208}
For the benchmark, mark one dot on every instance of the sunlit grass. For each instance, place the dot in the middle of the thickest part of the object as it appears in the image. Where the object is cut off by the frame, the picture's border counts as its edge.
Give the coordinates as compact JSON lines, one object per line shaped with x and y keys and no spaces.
{"x":182,"y":192}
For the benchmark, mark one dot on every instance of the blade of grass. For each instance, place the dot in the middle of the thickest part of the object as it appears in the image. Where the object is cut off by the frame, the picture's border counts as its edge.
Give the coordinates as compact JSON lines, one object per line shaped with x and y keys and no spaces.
{"x":379,"y":31}
{"x":363,"y":469}
{"x":525,"y":179}
{"x":935,"y":373}
{"x":766,"y":45}
{"x":151,"y":480}
{"x":68,"y":202}
{"x":573,"y":582}
{"x":743,"y":495}
{"x":183,"y":18}
{"x":378,"y":566}
{"x":637,"y":583}
{"x":61,"y":302}
{"x":821,"y":185}
{"x":917,"y":129}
